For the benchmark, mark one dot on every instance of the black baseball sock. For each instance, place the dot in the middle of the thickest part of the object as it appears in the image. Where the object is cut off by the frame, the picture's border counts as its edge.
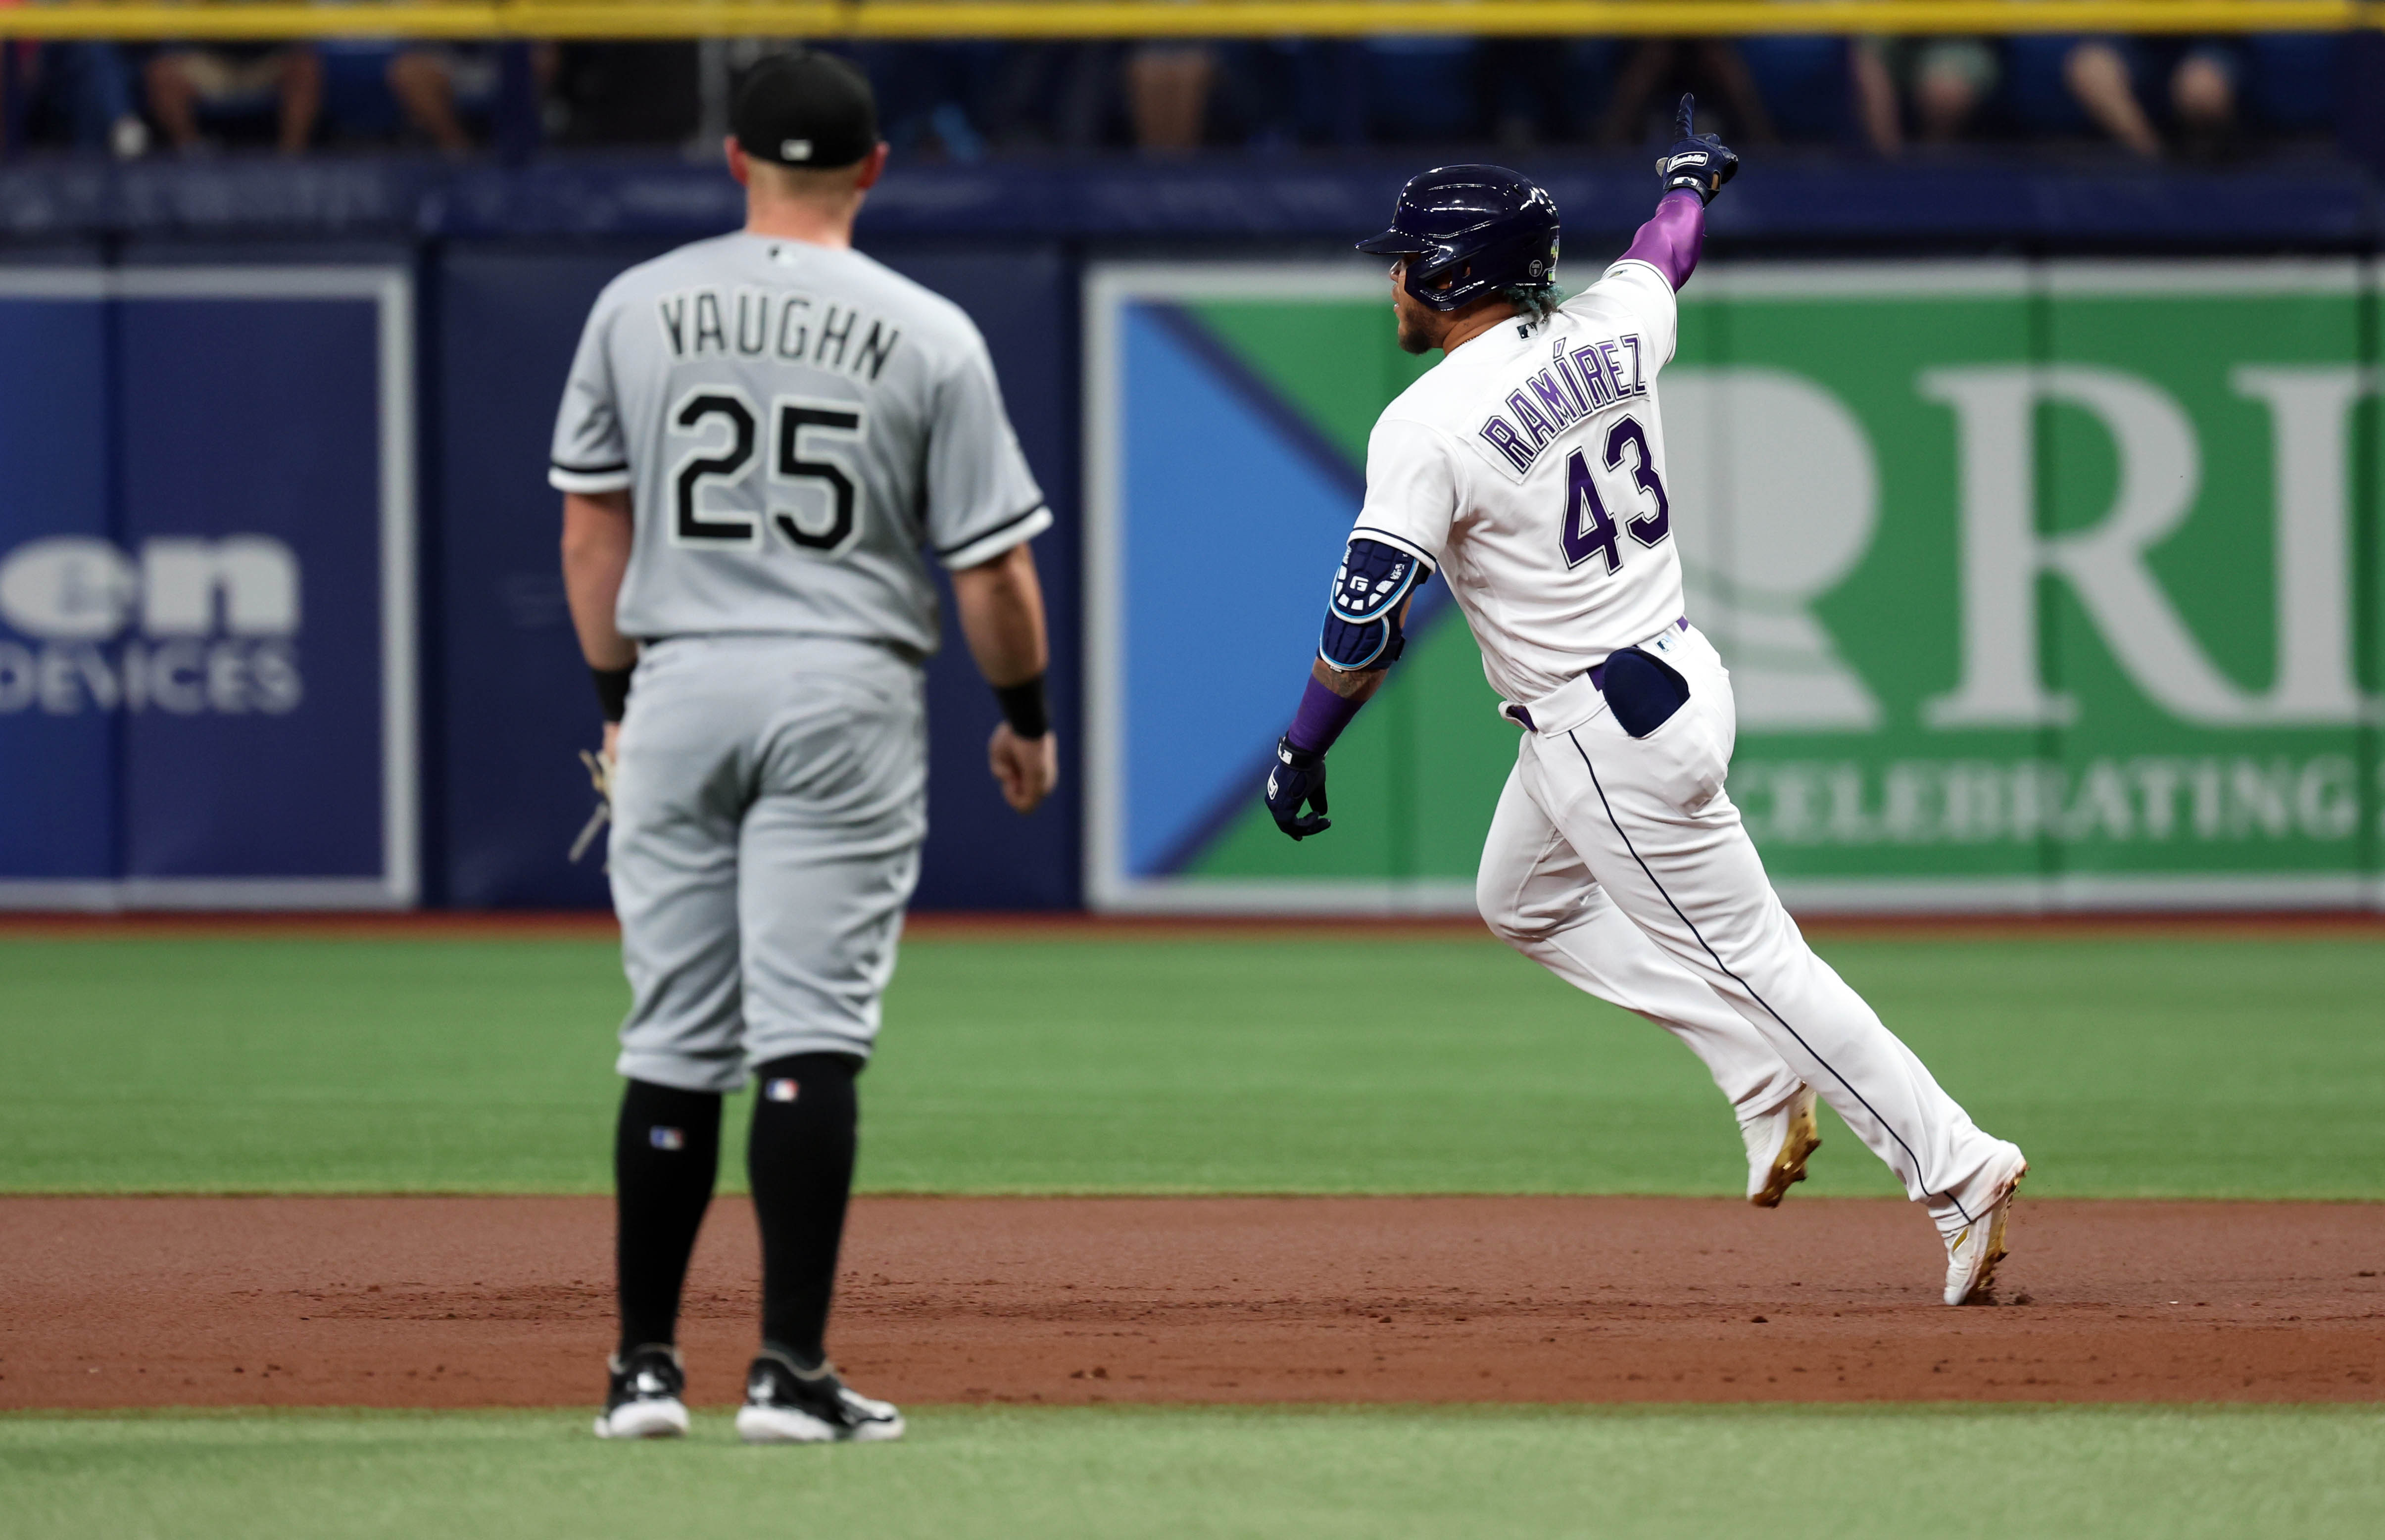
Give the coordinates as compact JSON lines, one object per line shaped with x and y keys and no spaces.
{"x":666,"y":1153}
{"x":800,"y":1160}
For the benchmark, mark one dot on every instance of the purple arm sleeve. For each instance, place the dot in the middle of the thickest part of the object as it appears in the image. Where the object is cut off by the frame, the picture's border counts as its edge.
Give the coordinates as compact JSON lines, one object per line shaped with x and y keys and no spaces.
{"x":1322,"y":716}
{"x":1670,"y":239}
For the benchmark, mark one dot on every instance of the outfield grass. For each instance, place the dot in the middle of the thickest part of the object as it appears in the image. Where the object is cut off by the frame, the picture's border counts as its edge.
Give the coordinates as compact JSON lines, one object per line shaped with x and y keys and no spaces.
{"x":2199,"y":1066}
{"x":2107,"y":1473}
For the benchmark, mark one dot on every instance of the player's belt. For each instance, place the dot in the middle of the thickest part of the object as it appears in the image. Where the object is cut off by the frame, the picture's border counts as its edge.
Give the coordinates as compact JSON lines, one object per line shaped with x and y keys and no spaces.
{"x":1569,"y":704}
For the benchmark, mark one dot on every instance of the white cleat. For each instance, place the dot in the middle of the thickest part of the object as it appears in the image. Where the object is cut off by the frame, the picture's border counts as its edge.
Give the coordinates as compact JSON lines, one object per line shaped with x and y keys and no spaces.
{"x":787,"y":1405}
{"x":1973,"y":1251}
{"x":1778,"y":1144}
{"x":641,"y":1399}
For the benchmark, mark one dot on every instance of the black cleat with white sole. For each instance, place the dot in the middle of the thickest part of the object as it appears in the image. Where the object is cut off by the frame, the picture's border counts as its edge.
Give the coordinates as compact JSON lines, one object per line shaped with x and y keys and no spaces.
{"x":643,"y":1395}
{"x":788,"y":1405}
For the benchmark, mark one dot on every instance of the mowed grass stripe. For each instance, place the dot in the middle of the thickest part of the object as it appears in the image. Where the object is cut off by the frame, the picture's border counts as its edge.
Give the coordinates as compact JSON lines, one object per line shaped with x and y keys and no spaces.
{"x":2197,"y":1066}
{"x":2112,"y":1474}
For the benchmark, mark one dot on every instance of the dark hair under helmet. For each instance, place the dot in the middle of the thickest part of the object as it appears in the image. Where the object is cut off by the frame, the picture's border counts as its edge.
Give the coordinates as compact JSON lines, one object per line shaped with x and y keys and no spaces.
{"x":1471,"y":229}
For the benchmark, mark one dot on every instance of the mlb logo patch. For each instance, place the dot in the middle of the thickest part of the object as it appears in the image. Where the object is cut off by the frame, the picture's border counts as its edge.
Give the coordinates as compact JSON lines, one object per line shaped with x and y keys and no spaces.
{"x":667,"y":1138}
{"x":781,"y":1090}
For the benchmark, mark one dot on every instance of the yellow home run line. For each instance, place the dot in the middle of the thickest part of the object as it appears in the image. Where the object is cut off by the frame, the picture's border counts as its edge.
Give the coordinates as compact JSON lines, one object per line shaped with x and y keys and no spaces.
{"x":1037,"y":18}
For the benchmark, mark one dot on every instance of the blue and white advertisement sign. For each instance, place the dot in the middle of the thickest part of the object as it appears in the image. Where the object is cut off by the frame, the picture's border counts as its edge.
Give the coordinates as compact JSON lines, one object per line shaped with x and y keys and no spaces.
{"x":207,"y":588}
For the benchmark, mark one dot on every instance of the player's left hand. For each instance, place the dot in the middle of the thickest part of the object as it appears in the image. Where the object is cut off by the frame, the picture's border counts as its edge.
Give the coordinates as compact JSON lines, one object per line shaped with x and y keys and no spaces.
{"x":1025,"y":769}
{"x":1298,"y":777}
{"x":1700,"y":162}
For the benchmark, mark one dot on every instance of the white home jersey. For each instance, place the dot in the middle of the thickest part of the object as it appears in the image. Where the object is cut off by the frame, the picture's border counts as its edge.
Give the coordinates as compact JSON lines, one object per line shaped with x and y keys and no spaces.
{"x":1528,"y":468}
{"x":794,"y":423}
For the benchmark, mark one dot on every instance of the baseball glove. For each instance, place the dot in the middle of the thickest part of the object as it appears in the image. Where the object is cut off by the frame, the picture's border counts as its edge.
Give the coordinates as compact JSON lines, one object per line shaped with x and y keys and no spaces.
{"x":600,"y":772}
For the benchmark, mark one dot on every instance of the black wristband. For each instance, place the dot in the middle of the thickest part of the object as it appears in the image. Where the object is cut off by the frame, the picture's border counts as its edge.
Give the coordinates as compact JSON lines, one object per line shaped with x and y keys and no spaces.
{"x":1024,"y":708}
{"x":612,"y":690}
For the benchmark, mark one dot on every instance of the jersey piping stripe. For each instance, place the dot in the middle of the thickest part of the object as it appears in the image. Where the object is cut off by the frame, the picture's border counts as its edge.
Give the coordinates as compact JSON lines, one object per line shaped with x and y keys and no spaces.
{"x":985,"y":548}
{"x":990,"y":531}
{"x":1617,"y":825}
{"x":613,"y":468}
{"x":590,"y":484}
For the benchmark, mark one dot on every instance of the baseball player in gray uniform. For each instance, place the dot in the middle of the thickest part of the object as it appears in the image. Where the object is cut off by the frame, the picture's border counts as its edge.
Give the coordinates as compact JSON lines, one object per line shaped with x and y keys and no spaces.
{"x":762,"y":435}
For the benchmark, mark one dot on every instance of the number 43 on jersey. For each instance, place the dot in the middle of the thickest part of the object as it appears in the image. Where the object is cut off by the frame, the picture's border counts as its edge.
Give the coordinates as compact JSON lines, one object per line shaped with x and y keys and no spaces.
{"x":1588,"y":529}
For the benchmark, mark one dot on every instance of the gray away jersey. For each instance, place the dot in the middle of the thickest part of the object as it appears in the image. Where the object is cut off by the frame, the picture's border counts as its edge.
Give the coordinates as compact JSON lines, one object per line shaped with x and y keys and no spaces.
{"x":794,"y":423}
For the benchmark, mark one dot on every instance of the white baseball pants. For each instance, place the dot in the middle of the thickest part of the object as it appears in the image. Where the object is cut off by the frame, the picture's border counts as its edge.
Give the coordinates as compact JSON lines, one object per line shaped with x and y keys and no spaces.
{"x":1597,"y":829}
{"x":1537,"y":896}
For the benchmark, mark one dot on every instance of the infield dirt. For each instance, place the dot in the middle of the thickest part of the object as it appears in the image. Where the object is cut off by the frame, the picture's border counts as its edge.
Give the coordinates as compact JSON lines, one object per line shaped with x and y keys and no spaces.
{"x":505,"y":1301}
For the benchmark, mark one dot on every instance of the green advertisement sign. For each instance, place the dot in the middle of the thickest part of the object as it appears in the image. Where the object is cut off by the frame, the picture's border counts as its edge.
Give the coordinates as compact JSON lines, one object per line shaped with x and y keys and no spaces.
{"x":2042,"y":585}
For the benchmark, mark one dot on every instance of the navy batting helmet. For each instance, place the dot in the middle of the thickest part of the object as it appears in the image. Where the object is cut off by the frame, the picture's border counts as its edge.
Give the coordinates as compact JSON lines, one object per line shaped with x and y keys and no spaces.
{"x":1469,"y":229}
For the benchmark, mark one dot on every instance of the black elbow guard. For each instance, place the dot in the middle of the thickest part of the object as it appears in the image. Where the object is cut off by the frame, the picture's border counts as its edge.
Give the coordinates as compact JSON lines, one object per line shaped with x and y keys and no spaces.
{"x":1362,"y":621}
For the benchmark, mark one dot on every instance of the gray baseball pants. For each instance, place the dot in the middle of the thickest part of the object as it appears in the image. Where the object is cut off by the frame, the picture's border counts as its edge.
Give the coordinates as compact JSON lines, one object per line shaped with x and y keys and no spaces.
{"x":767,"y":808}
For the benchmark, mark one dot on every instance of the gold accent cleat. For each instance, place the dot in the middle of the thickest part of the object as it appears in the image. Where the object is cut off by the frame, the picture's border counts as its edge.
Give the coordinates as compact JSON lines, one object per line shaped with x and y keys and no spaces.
{"x":1973,"y":1251}
{"x":1793,"y":1135}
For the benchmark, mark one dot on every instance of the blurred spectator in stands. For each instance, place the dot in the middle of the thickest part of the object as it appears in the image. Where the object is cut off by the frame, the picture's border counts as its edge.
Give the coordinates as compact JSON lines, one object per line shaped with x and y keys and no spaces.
{"x":380,"y":88}
{"x":2202,"y":81}
{"x":78,"y":93}
{"x":1661,"y":69}
{"x":193,"y":85}
{"x":438,"y":86}
{"x":1168,"y":88}
{"x":1943,"y":81}
{"x":2129,"y":88}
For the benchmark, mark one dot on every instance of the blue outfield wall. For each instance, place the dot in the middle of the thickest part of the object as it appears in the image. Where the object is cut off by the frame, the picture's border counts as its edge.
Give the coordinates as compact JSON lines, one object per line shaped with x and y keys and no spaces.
{"x":247,"y":423}
{"x":513,"y":697}
{"x":207,"y":664}
{"x":121,"y":422}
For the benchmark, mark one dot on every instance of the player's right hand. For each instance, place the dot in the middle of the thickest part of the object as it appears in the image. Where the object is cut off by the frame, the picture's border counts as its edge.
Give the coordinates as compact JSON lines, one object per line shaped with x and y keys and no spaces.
{"x":1701,"y":163}
{"x":1298,"y":777}
{"x":600,"y":767}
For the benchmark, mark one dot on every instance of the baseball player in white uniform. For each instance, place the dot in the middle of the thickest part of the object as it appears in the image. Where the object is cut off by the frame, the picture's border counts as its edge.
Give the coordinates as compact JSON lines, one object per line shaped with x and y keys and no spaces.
{"x":1528,"y":468}
{"x":761,"y":435}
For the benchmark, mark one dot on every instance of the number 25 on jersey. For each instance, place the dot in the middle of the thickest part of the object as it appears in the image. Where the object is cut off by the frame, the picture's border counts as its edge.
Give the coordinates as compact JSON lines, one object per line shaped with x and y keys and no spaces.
{"x":791,"y":419}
